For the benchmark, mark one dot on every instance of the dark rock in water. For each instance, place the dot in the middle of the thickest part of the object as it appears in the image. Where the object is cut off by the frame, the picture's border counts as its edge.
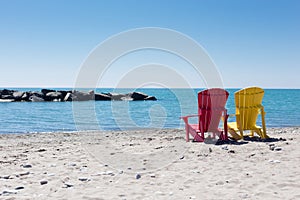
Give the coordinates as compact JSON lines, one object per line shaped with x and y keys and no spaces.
{"x":116,"y":96}
{"x":150,"y":98}
{"x":6,"y":92}
{"x":50,"y":96}
{"x":25,"y":96}
{"x":64,"y":93}
{"x":138,"y":96}
{"x":37,"y":94}
{"x":135,"y":96}
{"x":45,"y":91}
{"x":68,"y":97}
{"x":102,"y":97}
{"x":82,"y":96}
{"x":34,"y":98}
{"x":18,"y":95}
{"x":7,"y":96}
{"x":91,"y":92}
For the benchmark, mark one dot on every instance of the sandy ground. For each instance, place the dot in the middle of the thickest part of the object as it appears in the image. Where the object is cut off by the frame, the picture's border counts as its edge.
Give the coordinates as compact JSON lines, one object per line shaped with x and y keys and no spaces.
{"x":148,"y":164}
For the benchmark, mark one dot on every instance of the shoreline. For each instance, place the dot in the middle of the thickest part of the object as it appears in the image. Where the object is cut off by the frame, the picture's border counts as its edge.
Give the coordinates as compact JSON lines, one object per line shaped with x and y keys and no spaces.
{"x":276,"y":129}
{"x":147,"y":164}
{"x":93,"y":131}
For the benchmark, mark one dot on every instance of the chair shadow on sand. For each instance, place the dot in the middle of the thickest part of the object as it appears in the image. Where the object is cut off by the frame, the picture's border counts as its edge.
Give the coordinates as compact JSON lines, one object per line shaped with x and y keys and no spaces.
{"x":246,"y":140}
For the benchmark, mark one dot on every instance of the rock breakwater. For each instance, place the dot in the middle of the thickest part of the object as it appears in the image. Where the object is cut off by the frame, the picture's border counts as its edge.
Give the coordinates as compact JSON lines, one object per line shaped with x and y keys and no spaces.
{"x":7,"y":95}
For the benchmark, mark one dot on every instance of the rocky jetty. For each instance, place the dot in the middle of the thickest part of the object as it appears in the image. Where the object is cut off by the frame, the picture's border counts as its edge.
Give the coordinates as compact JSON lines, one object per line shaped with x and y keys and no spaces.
{"x":69,"y":95}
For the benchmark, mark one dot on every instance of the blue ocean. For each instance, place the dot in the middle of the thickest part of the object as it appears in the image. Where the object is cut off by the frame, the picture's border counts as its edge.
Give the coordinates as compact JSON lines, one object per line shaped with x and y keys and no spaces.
{"x":282,"y":108}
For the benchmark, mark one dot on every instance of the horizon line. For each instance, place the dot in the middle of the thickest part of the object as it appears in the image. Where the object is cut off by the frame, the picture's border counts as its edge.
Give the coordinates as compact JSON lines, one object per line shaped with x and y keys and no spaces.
{"x":62,"y":87}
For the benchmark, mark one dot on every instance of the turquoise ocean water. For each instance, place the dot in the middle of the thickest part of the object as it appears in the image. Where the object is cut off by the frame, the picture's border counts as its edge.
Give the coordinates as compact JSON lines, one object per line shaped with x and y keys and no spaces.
{"x":282,"y":108}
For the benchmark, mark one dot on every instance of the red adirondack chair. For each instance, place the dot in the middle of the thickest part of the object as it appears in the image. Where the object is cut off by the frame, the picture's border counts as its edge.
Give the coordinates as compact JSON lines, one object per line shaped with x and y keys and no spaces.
{"x":211,"y":108}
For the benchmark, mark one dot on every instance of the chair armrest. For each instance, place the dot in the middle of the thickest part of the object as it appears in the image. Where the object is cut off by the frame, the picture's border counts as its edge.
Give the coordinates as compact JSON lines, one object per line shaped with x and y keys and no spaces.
{"x":262,"y":110}
{"x":188,"y":116}
{"x":224,"y":117}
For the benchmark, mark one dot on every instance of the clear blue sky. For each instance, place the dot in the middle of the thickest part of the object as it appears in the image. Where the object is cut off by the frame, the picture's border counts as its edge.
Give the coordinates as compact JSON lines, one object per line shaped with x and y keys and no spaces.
{"x":252,"y":42}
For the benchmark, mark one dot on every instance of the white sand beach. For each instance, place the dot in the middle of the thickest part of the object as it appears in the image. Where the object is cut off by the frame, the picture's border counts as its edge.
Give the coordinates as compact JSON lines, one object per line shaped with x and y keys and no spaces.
{"x":148,"y":164}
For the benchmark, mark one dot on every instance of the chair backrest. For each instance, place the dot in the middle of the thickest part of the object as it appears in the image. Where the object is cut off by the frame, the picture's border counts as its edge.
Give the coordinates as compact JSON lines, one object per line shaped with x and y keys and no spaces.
{"x":211,"y":104}
{"x":248,"y":103}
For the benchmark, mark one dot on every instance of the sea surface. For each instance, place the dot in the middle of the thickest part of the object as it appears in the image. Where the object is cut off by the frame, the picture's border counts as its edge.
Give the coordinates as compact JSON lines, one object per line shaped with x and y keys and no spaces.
{"x":282,"y":108}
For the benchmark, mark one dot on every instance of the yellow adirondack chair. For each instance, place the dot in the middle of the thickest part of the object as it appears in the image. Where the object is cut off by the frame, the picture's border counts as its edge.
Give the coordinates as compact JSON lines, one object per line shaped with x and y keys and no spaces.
{"x":248,"y":103}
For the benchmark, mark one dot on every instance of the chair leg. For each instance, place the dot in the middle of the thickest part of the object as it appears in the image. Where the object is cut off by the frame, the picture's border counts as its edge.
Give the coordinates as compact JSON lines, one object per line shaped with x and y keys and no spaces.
{"x":198,"y":138}
{"x":234,"y":134}
{"x":187,"y":133}
{"x":242,"y":134}
{"x":202,"y":135}
{"x":259,"y":132}
{"x":195,"y":134}
{"x":264,"y":131}
{"x":221,"y":135}
{"x":225,"y":127}
{"x":263,"y":134}
{"x":225,"y":132}
{"x":224,"y":135}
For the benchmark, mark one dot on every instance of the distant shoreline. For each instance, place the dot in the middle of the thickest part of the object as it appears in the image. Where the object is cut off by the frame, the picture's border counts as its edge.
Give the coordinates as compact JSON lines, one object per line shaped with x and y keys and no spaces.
{"x":90,"y":88}
{"x":272,"y":129}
